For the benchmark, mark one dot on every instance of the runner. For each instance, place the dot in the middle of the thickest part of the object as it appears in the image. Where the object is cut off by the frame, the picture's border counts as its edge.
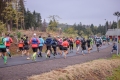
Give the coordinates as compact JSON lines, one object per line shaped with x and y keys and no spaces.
{"x":91,"y":42}
{"x":104,"y":40}
{"x":98,"y":43}
{"x":3,"y":48}
{"x":101,"y":41}
{"x":54,"y":46}
{"x":21,"y":45}
{"x":24,"y":37}
{"x":48,"y":43}
{"x":8,"y":43}
{"x":65,"y":45}
{"x":108,"y":40}
{"x":77,"y":44}
{"x":34,"y":43}
{"x":26,"y":47}
{"x":71,"y":44}
{"x":40,"y":46}
{"x":83,"y":45}
{"x":88,"y":44}
{"x":60,"y":41}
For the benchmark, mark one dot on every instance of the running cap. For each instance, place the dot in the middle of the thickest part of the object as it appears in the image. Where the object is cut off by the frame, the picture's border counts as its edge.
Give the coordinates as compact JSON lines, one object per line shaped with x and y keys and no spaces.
{"x":34,"y":34}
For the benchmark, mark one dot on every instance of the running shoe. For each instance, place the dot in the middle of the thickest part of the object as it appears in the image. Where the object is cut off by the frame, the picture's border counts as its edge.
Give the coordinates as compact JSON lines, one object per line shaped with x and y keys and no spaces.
{"x":28,"y":58}
{"x":5,"y":60}
{"x":46,"y":56}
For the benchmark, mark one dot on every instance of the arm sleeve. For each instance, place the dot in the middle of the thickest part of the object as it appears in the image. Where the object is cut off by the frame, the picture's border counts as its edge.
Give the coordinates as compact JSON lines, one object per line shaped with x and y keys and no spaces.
{"x":30,"y":41}
{"x":11,"y":40}
{"x":38,"y":40}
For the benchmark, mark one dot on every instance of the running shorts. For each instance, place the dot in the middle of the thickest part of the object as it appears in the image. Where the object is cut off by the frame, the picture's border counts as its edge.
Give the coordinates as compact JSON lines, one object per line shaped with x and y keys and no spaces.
{"x":34,"y":49}
{"x":21,"y":48}
{"x":88,"y":46}
{"x":65,"y":48}
{"x":2,"y":49}
{"x":83,"y":47}
{"x":26,"y":47}
{"x":97,"y":45}
{"x":60,"y":47}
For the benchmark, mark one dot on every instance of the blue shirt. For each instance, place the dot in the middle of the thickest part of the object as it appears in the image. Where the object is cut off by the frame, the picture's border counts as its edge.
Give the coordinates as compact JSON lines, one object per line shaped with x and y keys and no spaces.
{"x":41,"y":41}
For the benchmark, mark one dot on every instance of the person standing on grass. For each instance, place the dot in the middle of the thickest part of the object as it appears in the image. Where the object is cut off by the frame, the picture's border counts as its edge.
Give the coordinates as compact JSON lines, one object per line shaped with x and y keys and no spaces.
{"x":114,"y":47}
{"x":8,"y":43}
{"x":83,"y":45}
{"x":34,"y":43}
{"x":77,"y":42}
{"x":26,"y":47}
{"x":3,"y":48}
{"x":40,"y":47}
{"x":65,"y":45}
{"x":48,"y":43}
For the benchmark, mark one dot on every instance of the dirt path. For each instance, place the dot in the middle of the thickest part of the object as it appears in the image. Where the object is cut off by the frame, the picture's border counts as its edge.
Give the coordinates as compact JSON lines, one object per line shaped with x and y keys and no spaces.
{"x":20,"y":72}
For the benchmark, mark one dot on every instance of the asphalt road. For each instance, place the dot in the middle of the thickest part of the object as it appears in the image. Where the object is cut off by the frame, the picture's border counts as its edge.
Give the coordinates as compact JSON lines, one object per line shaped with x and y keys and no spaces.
{"x":18,"y":60}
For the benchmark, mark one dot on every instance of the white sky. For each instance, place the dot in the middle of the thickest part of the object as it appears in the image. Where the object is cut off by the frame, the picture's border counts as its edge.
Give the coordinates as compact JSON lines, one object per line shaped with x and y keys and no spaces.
{"x":76,"y":11}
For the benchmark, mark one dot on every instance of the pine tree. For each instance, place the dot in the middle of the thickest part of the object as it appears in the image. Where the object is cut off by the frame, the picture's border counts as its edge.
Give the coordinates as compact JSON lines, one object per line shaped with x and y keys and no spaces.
{"x":44,"y":25}
{"x":8,"y":14}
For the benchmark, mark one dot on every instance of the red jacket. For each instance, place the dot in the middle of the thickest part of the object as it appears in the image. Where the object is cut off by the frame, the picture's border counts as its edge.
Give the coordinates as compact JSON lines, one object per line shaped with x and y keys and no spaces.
{"x":36,"y":44}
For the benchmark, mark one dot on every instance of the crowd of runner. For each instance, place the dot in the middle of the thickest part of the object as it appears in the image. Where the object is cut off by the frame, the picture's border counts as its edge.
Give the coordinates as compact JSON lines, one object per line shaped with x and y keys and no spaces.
{"x":54,"y":45}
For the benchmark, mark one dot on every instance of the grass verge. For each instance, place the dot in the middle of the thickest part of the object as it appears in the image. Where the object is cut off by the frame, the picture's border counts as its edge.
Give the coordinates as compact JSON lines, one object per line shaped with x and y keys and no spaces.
{"x":94,"y":70}
{"x":116,"y":72}
{"x":115,"y":75}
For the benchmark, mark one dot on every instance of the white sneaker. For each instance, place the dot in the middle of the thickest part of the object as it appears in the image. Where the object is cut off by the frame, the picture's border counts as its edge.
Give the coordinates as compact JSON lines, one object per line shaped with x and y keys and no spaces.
{"x":22,"y":55}
{"x":28,"y":58}
{"x":82,"y":52}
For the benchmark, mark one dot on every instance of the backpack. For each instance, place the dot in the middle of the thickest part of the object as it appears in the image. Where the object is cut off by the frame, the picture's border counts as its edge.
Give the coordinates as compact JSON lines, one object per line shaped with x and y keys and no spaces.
{"x":48,"y":41}
{"x":54,"y":43}
{"x":34,"y":41}
{"x":97,"y":41}
{"x":60,"y":42}
{"x":77,"y":41}
{"x":7,"y":39}
{"x":1,"y":41}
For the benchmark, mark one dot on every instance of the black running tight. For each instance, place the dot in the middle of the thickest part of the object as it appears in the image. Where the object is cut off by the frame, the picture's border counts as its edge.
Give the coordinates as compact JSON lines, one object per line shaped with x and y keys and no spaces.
{"x":71,"y":46}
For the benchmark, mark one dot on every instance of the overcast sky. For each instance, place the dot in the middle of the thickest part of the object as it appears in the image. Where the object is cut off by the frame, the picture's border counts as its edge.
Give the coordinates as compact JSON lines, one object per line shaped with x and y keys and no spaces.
{"x":76,"y":11}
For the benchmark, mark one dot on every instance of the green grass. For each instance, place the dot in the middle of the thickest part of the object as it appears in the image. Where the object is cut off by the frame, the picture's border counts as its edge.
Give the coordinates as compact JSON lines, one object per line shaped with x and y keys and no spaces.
{"x":115,"y":75}
{"x":114,"y":56}
{"x":116,"y":72}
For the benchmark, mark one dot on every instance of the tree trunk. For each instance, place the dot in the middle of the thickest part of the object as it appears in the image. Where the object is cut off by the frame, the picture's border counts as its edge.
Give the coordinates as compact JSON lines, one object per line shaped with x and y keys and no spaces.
{"x":21,"y":24}
{"x":11,"y":25}
{"x":17,"y":24}
{"x":7,"y":26}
